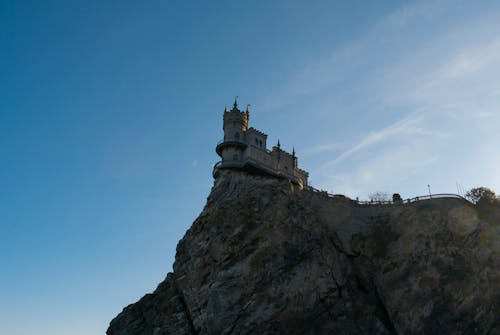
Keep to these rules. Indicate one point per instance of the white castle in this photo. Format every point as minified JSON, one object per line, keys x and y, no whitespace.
{"x":245,"y":148}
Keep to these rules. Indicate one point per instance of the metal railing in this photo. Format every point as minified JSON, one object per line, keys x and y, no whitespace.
{"x":369,"y":202}
{"x":389,"y":202}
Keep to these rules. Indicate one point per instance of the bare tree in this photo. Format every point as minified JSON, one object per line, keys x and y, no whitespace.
{"x":379,"y":196}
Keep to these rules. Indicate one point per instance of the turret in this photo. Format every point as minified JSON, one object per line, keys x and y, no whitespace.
{"x":235,"y":126}
{"x":235,"y":123}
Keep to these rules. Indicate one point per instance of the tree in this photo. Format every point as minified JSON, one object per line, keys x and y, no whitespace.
{"x":479,"y":195}
{"x":379,"y":196}
{"x":396,"y":198}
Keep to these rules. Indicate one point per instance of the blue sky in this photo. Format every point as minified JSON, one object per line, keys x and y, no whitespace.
{"x":110,"y":112}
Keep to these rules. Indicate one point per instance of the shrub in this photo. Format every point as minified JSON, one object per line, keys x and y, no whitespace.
{"x":482,"y":195}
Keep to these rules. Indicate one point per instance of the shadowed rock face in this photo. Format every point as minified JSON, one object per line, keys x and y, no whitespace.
{"x":263,"y":258}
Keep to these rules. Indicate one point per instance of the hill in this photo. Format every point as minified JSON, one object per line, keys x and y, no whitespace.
{"x":265,"y":257}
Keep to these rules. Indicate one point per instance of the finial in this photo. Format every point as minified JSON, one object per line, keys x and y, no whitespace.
{"x":235,"y":105}
{"x":279,"y":145}
{"x":248,"y":109}
{"x":293,"y":152}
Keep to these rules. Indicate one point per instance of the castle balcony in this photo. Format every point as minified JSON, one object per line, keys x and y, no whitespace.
{"x":215,"y":171}
{"x":257,"y":167}
{"x":226,"y":164}
{"x":221,"y":145}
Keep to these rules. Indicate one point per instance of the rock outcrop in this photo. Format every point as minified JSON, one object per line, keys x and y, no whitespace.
{"x":266,"y":258}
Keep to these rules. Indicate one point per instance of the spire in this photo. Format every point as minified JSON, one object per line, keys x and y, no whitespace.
{"x":293,"y":152}
{"x":279,"y":145}
{"x":248,"y":109}
{"x":235,"y":104}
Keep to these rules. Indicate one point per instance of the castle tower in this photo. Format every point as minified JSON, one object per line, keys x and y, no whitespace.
{"x":235,"y":126}
{"x":245,"y":149}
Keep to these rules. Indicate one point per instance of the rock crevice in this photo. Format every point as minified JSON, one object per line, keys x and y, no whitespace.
{"x":266,"y":258}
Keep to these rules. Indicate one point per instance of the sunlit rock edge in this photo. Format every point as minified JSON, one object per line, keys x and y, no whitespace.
{"x":264,"y":257}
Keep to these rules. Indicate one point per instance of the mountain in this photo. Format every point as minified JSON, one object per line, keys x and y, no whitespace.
{"x":265,"y":257}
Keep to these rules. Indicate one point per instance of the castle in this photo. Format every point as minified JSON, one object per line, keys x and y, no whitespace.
{"x":245,"y":148}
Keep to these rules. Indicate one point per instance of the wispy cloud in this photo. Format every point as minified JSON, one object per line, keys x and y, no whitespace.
{"x":395,"y":153}
{"x":435,"y":90}
{"x":338,"y":66}
{"x":408,"y":126}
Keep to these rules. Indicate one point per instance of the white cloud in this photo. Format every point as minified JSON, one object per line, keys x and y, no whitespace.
{"x":441,"y":86}
{"x":382,"y":158}
{"x":407,"y":126}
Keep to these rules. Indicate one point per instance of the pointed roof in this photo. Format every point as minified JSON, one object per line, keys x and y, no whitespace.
{"x":235,"y":104}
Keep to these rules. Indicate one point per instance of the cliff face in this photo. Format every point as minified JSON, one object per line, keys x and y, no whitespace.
{"x":265,"y":258}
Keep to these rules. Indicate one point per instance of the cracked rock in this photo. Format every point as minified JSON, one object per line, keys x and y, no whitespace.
{"x":267,"y":258}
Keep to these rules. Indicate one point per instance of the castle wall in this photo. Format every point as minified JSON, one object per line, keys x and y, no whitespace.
{"x":252,"y":149}
{"x":232,"y":154}
{"x":284,"y":161}
{"x":259,"y":155}
{"x":256,"y":138}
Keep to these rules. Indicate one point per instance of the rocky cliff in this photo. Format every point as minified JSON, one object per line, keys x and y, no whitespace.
{"x":266,"y":258}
